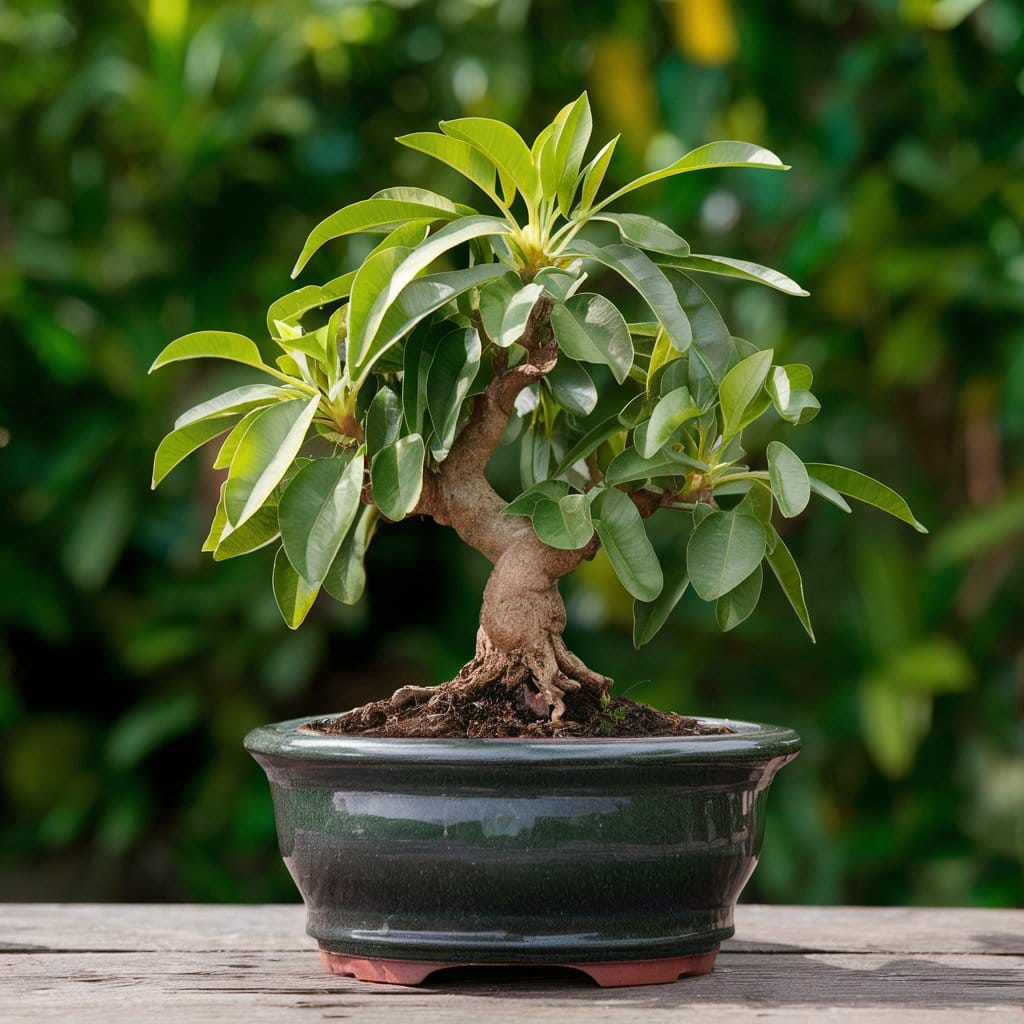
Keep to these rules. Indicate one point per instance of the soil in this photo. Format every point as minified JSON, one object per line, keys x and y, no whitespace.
{"x":444,"y":712}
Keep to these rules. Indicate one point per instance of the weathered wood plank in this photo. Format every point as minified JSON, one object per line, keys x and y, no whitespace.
{"x":101,"y":927}
{"x":259,"y":986}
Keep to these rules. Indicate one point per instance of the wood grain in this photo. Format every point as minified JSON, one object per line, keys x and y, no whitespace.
{"x":203,"y":963}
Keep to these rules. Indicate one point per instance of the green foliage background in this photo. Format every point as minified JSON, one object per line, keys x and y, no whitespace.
{"x":162,"y":163}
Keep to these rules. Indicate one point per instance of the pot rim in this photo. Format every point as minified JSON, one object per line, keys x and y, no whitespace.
{"x":750,"y":741}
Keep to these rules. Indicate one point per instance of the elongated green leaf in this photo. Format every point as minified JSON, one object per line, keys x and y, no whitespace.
{"x":714,"y":154}
{"x":865,"y":489}
{"x":289,"y":308}
{"x":503,"y":146}
{"x":790,"y":484}
{"x":516,"y":314}
{"x":572,"y":387}
{"x":455,"y":363}
{"x":180,"y":443}
{"x":591,"y":329}
{"x":622,"y":533}
{"x":671,"y":412}
{"x":737,"y":605}
{"x":646,"y":233}
{"x":724,"y":549}
{"x":649,"y":280}
{"x":725,"y":266}
{"x":740,"y":387}
{"x":650,"y":616}
{"x":417,"y":301}
{"x":830,"y":494}
{"x":231,"y":442}
{"x":564,"y":524}
{"x":235,"y":403}
{"x":786,"y":572}
{"x":593,"y":174}
{"x":264,"y":455}
{"x":574,"y":126}
{"x":316,"y":511}
{"x":346,"y":579}
{"x":415,"y":366}
{"x":630,"y":465}
{"x":374,"y":293}
{"x":293,"y":595}
{"x":525,"y":504}
{"x":257,"y":532}
{"x":383,"y":421}
{"x":397,"y":477}
{"x":373,"y":215}
{"x":589,"y":443}
{"x":211,"y":345}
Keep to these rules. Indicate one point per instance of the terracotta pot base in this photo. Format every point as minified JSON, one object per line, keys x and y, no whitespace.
{"x":610,"y":974}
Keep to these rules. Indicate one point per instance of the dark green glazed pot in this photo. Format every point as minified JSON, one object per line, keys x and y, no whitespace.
{"x":520,"y":851}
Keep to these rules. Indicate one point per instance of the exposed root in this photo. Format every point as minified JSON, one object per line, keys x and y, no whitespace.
{"x":542,"y":690}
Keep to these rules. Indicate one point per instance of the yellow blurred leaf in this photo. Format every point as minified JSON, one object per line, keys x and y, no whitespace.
{"x":623,"y":89}
{"x":705,"y":31}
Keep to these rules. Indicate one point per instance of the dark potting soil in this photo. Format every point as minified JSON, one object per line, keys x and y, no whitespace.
{"x":442,"y":713}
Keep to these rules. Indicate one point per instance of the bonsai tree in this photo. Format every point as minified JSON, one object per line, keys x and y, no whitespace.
{"x":395,"y":383}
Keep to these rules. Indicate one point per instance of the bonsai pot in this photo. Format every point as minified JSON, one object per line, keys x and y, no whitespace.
{"x":620,"y":857}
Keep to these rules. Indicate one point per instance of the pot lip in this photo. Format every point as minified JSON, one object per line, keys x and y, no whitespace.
{"x":750,"y":741}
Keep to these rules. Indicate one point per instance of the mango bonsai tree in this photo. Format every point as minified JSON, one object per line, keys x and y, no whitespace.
{"x":395,"y":383}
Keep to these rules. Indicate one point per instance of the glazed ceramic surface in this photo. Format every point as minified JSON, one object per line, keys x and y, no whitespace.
{"x":520,"y":851}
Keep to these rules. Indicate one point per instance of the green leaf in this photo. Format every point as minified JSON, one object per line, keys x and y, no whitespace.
{"x":714,"y":154}
{"x":724,"y":549}
{"x":458,"y":155}
{"x":383,"y":421}
{"x":494,"y":300}
{"x":452,"y":370}
{"x":739,"y":387}
{"x":736,"y":606}
{"x":711,"y":336}
{"x":593,"y":174}
{"x":865,"y":489}
{"x":418,"y":300}
{"x":790,"y":485}
{"x":575,"y":123}
{"x":802,"y":407}
{"x":671,"y":412}
{"x":788,"y":575}
{"x":231,"y":442}
{"x":588,"y":443}
{"x":646,"y":233}
{"x":725,"y":266}
{"x":397,"y":477}
{"x":503,"y":146}
{"x":257,"y":532}
{"x":649,"y":280}
{"x":346,"y":579}
{"x":293,"y":595}
{"x":263,"y":456}
{"x":622,"y":533}
{"x":316,"y":510}
{"x":289,"y":308}
{"x":572,"y":387}
{"x":415,"y":366}
{"x":211,"y":345}
{"x":235,"y":403}
{"x":564,"y":524}
{"x":516,"y":314}
{"x":630,"y":465}
{"x":830,"y":494}
{"x":525,"y":504}
{"x":591,"y":329}
{"x":377,"y":287}
{"x":375,"y":215}
{"x":650,"y":616}
{"x":180,"y":443}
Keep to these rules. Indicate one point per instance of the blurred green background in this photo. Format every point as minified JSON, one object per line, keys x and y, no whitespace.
{"x":162,"y":163}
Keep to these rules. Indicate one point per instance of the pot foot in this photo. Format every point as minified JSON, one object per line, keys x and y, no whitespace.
{"x":609,"y":974}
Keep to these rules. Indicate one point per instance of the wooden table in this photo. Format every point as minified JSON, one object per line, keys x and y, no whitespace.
{"x":114,"y":963}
